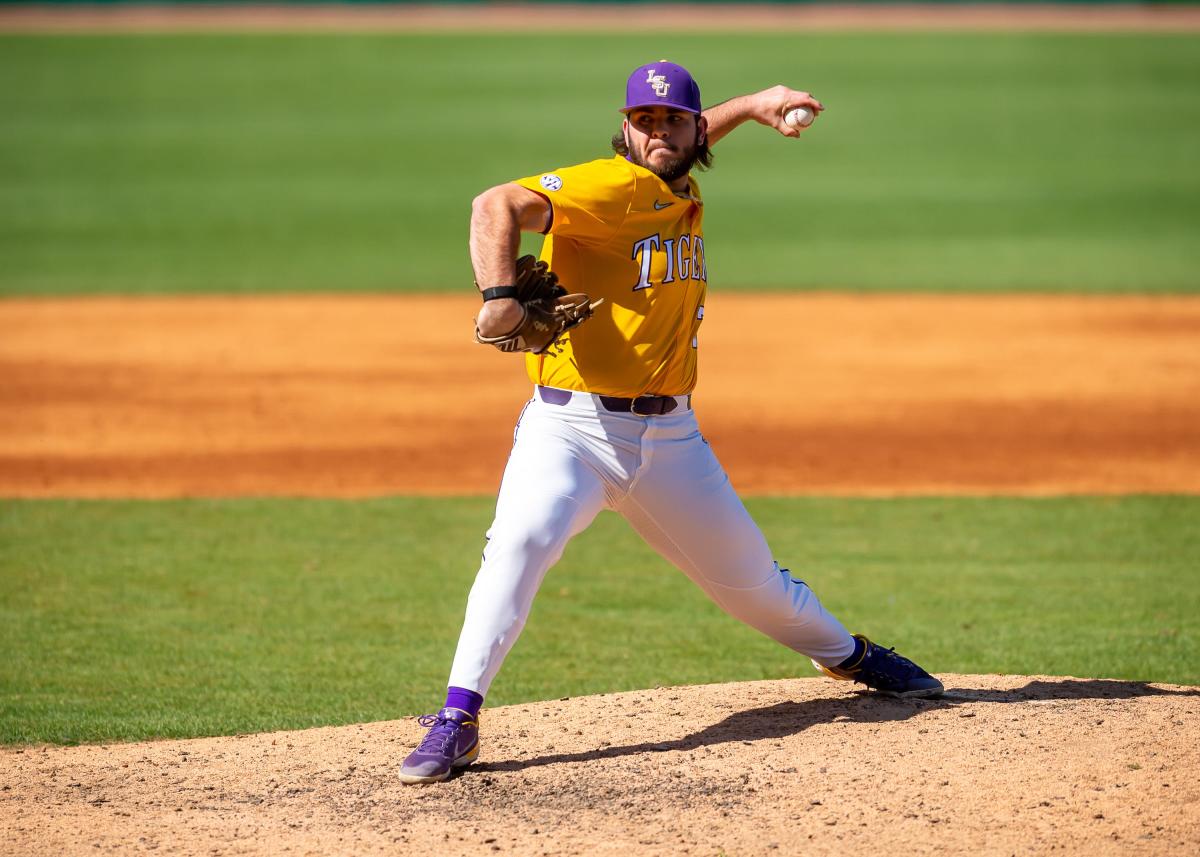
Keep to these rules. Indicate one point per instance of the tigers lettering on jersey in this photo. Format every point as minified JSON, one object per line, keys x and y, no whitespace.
{"x":684,"y":256}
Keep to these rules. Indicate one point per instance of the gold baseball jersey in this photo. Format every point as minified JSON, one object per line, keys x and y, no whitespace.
{"x":618,"y":232}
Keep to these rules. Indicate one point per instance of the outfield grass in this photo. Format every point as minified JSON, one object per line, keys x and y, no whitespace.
{"x":125,"y":620}
{"x":235,"y":163}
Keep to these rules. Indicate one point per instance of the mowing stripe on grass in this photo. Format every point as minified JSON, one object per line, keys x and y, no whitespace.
{"x":249,"y":163}
{"x":126,"y":620}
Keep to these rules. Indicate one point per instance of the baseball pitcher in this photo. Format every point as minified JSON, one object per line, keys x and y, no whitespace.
{"x":610,"y":422}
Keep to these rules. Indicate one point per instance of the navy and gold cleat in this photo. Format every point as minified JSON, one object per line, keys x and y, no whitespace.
{"x":886,"y":672}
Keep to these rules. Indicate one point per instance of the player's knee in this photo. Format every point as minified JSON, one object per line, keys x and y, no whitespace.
{"x":779,"y":600}
{"x":525,"y":546}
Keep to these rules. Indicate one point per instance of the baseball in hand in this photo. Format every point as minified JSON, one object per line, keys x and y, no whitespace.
{"x":800,"y":117}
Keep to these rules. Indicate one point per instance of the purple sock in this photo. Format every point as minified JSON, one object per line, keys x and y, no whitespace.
{"x":855,"y":655}
{"x":464,"y":700}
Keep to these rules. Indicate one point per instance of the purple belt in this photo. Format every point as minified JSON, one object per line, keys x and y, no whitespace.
{"x":642,"y":406}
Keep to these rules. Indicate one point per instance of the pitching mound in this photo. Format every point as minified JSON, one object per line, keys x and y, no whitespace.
{"x":1004,"y":764}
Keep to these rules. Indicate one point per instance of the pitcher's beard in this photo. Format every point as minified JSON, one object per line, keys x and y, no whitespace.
{"x":673,"y":168}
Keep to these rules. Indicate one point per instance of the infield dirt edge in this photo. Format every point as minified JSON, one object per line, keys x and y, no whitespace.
{"x":620,"y":18}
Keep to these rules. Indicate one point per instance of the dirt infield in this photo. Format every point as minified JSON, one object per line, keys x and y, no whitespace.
{"x":1005,"y":765}
{"x":344,"y":396}
{"x":542,"y":17}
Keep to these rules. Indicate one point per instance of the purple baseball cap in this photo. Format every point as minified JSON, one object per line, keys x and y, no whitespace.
{"x":662,"y":83}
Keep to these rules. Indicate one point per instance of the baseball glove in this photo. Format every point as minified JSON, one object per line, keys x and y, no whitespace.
{"x":548,"y":311}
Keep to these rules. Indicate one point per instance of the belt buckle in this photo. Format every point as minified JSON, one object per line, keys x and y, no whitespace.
{"x":633,"y":407}
{"x":662,"y":404}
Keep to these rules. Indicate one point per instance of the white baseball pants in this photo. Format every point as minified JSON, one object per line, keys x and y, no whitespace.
{"x":571,"y":460}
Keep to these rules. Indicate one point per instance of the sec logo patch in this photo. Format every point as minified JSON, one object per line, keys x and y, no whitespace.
{"x":551,"y":182}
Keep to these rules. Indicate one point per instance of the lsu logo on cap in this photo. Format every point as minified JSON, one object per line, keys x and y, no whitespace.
{"x":550,"y":181}
{"x":658,"y":83}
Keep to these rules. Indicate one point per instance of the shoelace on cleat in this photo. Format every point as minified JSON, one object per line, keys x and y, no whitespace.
{"x":441,"y":733}
{"x":901,"y":668}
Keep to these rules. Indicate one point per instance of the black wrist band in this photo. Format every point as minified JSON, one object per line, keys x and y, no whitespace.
{"x":497,"y":292}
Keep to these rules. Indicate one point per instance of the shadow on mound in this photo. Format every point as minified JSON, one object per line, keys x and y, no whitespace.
{"x":1067,"y":688}
{"x":791,"y":718}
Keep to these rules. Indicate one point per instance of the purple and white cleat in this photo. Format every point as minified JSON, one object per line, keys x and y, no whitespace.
{"x":451,"y":742}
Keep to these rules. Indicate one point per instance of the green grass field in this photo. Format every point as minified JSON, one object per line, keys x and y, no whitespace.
{"x":235,"y":163}
{"x":123,"y":620}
